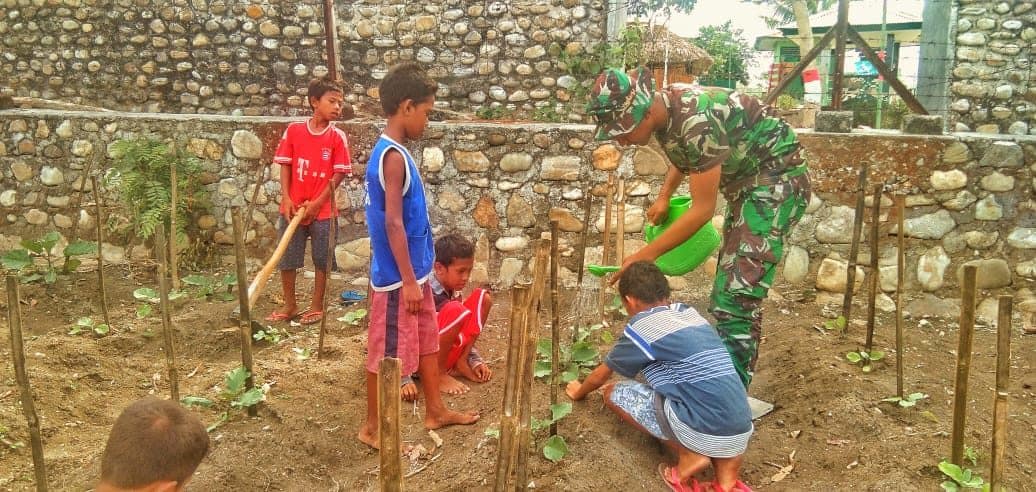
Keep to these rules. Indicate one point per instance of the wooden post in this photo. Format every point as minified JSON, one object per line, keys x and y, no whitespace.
{"x":606,"y":241}
{"x":508,"y":420}
{"x":840,"y":33}
{"x":100,"y":258}
{"x":525,"y":398}
{"x":872,"y":294}
{"x":332,"y":238}
{"x":1003,"y":371}
{"x":960,"y":388}
{"x":79,"y":197}
{"x":329,"y":39}
{"x":174,"y":267}
{"x":167,"y":321}
{"x":22,"y":378}
{"x":555,"y":323}
{"x":620,"y":224}
{"x":582,"y":255}
{"x":390,"y":472}
{"x":245,"y":321}
{"x":900,"y":275}
{"x":854,"y":247}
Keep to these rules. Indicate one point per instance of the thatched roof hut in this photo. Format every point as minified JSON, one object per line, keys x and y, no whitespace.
{"x":681,"y":52}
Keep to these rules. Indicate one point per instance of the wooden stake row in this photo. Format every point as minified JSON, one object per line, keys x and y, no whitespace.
{"x":245,"y":319}
{"x":167,"y":322}
{"x":22,"y":378}
{"x":854,"y":248}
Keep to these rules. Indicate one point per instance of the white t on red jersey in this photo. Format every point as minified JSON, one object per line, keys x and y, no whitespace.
{"x":314,"y":158}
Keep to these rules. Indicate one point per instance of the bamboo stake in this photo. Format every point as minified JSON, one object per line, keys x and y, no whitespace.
{"x":79,"y":197}
{"x":873,"y":292}
{"x":900,"y":274}
{"x":582,"y":254}
{"x":620,"y":224}
{"x":854,"y":248}
{"x":100,"y":258}
{"x":390,"y":471}
{"x":22,"y":378}
{"x":167,"y":322}
{"x":174,"y":267}
{"x":245,"y":319}
{"x":1003,"y":372}
{"x":332,"y":237}
{"x":555,"y":323}
{"x":508,"y":420}
{"x":960,"y":388}
{"x":606,"y":240}
{"x":525,"y":400}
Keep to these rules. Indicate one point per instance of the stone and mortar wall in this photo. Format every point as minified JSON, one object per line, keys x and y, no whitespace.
{"x":993,"y":86}
{"x":256,"y":57}
{"x":970,"y":197}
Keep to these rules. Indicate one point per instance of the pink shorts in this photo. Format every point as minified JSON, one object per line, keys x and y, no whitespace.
{"x":394,"y":332}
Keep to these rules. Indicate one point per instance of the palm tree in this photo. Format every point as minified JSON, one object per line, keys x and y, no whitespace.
{"x":785,"y":11}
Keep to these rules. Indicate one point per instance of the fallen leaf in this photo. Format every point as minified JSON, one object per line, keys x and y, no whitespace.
{"x":838,"y":442}
{"x":783,"y":473}
{"x":795,"y":434}
{"x":852,"y":465}
{"x":416,"y":452}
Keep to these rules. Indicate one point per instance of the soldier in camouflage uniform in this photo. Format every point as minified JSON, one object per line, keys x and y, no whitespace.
{"x":725,"y":142}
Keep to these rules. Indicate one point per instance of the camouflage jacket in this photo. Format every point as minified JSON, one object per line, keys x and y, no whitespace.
{"x":710,"y":126}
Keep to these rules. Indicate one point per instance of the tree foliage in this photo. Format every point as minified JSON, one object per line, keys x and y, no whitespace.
{"x":142,"y":175}
{"x":783,"y":11}
{"x":642,"y":8}
{"x":731,"y":52}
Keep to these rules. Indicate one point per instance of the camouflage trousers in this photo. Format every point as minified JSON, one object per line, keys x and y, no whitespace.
{"x":756,"y":224}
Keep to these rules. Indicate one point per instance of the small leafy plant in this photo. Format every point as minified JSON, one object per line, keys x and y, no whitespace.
{"x":555,"y":448}
{"x":302,"y":353}
{"x":233,"y":392}
{"x":87,"y":324}
{"x":960,"y":478}
{"x":216,"y":287}
{"x":907,"y":401}
{"x":149,"y":297}
{"x":353,"y":317}
{"x":22,"y":260}
{"x":575,"y":360}
{"x":837,"y":324}
{"x":269,"y":334}
{"x":865,"y":357}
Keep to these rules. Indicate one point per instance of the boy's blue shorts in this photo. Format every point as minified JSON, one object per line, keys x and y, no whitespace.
{"x":295,"y":256}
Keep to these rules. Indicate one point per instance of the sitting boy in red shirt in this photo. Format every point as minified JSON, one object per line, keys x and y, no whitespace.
{"x":460,"y":321}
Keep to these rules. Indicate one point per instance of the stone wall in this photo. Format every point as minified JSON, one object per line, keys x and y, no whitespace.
{"x":970,"y":197}
{"x":993,"y":86}
{"x":255,"y":58}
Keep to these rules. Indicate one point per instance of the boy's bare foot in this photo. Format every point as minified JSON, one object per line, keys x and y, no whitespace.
{"x":449,"y":385}
{"x":463,"y":370}
{"x":369,"y":436}
{"x":483,"y":373}
{"x":408,"y":390}
{"x":449,"y":417}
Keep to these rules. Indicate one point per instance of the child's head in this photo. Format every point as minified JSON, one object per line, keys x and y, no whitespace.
{"x":408,"y":94}
{"x":454,"y":259}
{"x":154,"y":444}
{"x":642,"y":286}
{"x":325,"y":97}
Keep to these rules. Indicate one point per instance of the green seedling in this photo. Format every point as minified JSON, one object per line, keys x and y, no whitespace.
{"x":493,"y":431}
{"x":971,"y":455}
{"x":233,"y":392}
{"x":837,"y":324}
{"x":865,"y":357}
{"x":960,"y":478}
{"x":576,"y":359}
{"x":302,"y":353}
{"x":149,"y":297}
{"x":196,"y":401}
{"x":218,"y":288}
{"x":23,"y":261}
{"x":269,"y":334}
{"x":907,"y":401}
{"x":87,"y":324}
{"x":353,"y":317}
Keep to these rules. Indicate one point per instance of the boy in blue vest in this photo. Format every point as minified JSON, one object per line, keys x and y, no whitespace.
{"x":693,"y":401}
{"x":402,"y":319}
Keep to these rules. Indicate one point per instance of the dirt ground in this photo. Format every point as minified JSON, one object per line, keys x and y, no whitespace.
{"x":829,"y":421}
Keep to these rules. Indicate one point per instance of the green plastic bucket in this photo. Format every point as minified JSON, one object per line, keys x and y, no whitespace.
{"x":694,"y":251}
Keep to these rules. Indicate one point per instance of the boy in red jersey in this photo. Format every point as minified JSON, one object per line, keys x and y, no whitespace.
{"x":312,"y":155}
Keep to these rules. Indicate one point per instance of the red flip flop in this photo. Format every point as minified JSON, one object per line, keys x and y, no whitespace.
{"x":311,"y":317}
{"x":279,"y":316}
{"x":672,"y":478}
{"x":739,"y":486}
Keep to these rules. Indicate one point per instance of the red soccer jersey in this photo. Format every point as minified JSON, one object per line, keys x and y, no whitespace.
{"x":314,"y":158}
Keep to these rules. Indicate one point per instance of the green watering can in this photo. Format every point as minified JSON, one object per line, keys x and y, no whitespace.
{"x":683,"y":258}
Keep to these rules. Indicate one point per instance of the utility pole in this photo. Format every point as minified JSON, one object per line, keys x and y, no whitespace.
{"x":937,"y":55}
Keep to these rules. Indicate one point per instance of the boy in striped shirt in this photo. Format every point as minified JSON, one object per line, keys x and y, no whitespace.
{"x":694,"y":401}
